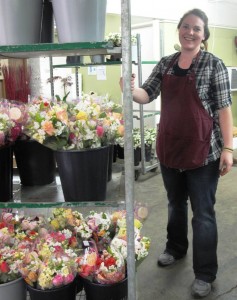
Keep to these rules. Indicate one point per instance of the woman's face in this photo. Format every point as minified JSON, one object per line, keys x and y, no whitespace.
{"x":191,"y":33}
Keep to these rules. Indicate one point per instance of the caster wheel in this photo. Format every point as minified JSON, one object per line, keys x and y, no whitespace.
{"x":153,"y":170}
{"x":137,"y":174}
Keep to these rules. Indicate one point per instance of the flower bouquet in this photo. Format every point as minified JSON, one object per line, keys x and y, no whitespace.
{"x":47,"y":122}
{"x":12,"y":118}
{"x":111,"y":266}
{"x":11,"y":249}
{"x":12,"y":285}
{"x":149,"y":140}
{"x":104,"y":267}
{"x":50,"y":263}
{"x":88,"y":122}
{"x":73,"y":220}
{"x":101,"y":227}
{"x":142,"y":243}
{"x":50,"y":273}
{"x":115,"y":39}
{"x":10,"y":260}
{"x":80,"y":132}
{"x":47,"y":253}
{"x":149,"y":135}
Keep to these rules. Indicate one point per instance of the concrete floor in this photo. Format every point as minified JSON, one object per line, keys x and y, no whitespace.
{"x":172,"y":283}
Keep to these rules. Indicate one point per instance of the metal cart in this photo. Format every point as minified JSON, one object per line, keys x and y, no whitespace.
{"x":143,"y":167}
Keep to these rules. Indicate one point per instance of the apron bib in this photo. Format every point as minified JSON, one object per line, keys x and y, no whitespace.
{"x":183,"y":139}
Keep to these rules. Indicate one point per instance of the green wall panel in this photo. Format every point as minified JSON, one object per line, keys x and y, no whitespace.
{"x":109,"y":86}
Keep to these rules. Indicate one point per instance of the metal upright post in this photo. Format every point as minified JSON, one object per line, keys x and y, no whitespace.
{"x":77,"y":82}
{"x":142,"y":128}
{"x":128,"y":146}
{"x":51,"y":76}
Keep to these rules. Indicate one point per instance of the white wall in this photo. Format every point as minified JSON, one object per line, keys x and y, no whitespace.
{"x":220,"y":12}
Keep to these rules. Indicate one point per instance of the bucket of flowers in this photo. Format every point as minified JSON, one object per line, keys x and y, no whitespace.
{"x":115,"y":38}
{"x":149,"y":140}
{"x":60,"y":255}
{"x":102,"y":266}
{"x":79,"y":132}
{"x":136,"y":146}
{"x":12,"y":285}
{"x":49,"y":267}
{"x":12,"y":118}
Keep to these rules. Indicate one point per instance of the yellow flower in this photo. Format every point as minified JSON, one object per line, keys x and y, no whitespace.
{"x":55,"y":224}
{"x":137,"y":224}
{"x":81,"y":116}
{"x":65,"y":271}
{"x":122,"y":233}
{"x":45,"y":251}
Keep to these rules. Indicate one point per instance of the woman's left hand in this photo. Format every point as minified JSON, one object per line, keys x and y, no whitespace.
{"x":226,"y":162}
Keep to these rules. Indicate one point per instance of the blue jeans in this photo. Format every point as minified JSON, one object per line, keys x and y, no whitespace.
{"x":199,"y":185}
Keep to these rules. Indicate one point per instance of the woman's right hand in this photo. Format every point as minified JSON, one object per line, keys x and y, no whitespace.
{"x":139,"y":94}
{"x":132,"y":82}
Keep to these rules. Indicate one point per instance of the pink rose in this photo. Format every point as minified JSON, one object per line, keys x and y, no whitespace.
{"x":4,"y":268}
{"x":69,"y":278}
{"x":58,"y":280}
{"x":100,"y":131}
{"x":7,"y":217}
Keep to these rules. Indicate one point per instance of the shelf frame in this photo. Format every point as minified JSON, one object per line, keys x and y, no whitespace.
{"x":29,"y":205}
{"x":57,"y":49}
{"x":90,"y":49}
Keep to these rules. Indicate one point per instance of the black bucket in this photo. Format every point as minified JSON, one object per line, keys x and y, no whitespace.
{"x":47,"y":25}
{"x":115,"y":291}
{"x":110,"y":163}
{"x":35,"y":163}
{"x":6,"y":174}
{"x":67,"y":292}
{"x":83,"y":173}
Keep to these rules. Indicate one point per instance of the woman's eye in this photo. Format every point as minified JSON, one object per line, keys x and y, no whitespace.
{"x":197,"y":29}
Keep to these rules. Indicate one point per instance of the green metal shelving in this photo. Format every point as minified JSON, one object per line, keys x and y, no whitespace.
{"x":28,"y":205}
{"x":56,"y":49}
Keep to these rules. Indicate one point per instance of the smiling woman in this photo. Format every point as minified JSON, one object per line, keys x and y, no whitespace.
{"x":194,"y":143}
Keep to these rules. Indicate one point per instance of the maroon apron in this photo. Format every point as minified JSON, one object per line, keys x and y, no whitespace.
{"x":184,"y":134}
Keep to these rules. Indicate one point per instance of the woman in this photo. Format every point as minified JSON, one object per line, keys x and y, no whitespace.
{"x":194,"y":143}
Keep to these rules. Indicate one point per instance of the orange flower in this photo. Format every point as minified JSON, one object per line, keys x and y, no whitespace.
{"x":117,"y":115}
{"x":32,"y":276}
{"x":121,"y":130}
{"x":106,"y":122}
{"x":62,"y":116}
{"x":47,"y":126}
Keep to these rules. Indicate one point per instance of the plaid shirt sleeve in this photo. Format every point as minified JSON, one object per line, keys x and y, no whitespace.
{"x":153,"y":83}
{"x":212,"y":83}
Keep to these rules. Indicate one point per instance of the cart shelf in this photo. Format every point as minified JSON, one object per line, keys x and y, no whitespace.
{"x":23,"y":205}
{"x":56,"y":49}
